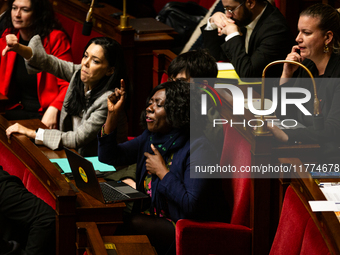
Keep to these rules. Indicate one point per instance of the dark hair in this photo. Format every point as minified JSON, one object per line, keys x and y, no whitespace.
{"x":196,"y":64}
{"x":176,"y":105}
{"x":329,"y":21}
{"x":114,"y":55}
{"x":43,"y":18}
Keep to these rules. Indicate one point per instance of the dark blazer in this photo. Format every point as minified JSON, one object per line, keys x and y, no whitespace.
{"x":187,"y":197}
{"x":328,"y":89}
{"x":270,"y":40}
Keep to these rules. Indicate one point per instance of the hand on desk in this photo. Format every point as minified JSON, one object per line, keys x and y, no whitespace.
{"x":17,"y":128}
{"x":278,"y":133}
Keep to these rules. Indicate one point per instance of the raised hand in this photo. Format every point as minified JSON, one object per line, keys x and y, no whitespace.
{"x":289,"y":69}
{"x":229,"y":28}
{"x":12,"y":44}
{"x":115,"y":103}
{"x":219,"y":19}
{"x":155,"y":164}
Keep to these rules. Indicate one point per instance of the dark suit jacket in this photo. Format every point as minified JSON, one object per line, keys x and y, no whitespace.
{"x":328,"y":89}
{"x":271,"y":40}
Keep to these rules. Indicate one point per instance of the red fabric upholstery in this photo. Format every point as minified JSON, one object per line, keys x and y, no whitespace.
{"x":164,"y":78}
{"x":197,"y":238}
{"x":297,"y":232}
{"x":236,"y":152}
{"x":14,"y":166}
{"x":78,"y":41}
{"x":201,"y":238}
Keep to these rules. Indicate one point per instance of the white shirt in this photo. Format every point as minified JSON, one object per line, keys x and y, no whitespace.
{"x":76,"y":120}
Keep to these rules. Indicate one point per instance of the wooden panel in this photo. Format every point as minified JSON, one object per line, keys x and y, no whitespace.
{"x":52,"y":180}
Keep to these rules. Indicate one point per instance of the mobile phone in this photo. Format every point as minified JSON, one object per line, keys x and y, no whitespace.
{"x":58,"y":167}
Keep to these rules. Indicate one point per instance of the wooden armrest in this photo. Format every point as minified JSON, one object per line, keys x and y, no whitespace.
{"x":89,"y":239}
{"x":161,"y":62}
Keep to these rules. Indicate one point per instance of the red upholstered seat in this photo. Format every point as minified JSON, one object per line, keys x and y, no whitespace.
{"x":297,"y":232}
{"x":164,"y":78}
{"x":14,"y":166}
{"x":193,"y":237}
{"x":78,"y":41}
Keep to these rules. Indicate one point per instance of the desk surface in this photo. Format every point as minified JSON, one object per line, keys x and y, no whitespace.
{"x":308,"y":190}
{"x":88,"y":208}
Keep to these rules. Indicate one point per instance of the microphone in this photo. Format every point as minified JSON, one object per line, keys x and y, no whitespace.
{"x":87,"y":27}
{"x":318,"y":119}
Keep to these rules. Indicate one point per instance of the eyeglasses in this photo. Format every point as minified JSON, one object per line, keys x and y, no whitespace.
{"x":231,"y":11}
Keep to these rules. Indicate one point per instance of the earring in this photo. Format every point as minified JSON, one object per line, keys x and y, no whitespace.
{"x":326,"y":48}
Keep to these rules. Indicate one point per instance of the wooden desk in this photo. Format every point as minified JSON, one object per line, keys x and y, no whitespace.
{"x":308,"y":190}
{"x":85,"y":207}
{"x":90,"y":238}
{"x":46,"y":173}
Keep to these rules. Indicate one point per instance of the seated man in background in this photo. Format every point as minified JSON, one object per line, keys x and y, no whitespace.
{"x":250,"y":34}
{"x":27,"y":223}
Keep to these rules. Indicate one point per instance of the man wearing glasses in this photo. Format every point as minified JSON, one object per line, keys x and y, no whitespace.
{"x":250,"y":34}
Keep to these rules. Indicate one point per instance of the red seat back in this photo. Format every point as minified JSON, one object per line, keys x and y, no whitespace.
{"x":236,"y":152}
{"x":78,"y":41}
{"x":14,"y":166}
{"x":297,"y":233}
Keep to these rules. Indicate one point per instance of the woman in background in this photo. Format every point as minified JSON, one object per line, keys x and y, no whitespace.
{"x":319,"y":50}
{"x":40,"y":95}
{"x":84,"y":111}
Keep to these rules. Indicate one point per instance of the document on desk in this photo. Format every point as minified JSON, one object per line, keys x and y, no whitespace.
{"x":222,"y":66}
{"x":64,"y":165}
{"x":331,"y":191}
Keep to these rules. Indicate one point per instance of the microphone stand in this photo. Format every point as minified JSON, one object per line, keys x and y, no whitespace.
{"x":124,"y":19}
{"x":87,"y":27}
{"x":318,"y":121}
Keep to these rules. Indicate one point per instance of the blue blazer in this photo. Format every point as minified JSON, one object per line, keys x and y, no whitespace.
{"x":190,"y":198}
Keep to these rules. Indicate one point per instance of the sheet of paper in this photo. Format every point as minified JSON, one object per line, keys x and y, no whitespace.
{"x":224,"y":66}
{"x":324,"y":206}
{"x":63,"y":163}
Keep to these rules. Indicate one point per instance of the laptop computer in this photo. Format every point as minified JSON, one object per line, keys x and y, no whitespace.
{"x":86,"y":180}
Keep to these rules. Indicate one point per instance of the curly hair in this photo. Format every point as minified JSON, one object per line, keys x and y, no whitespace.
{"x":176,"y":105}
{"x":43,"y":18}
{"x":329,"y":21}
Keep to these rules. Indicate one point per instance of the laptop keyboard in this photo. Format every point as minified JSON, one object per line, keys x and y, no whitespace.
{"x":111,"y":194}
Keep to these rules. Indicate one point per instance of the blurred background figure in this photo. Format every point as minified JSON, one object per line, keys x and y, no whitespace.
{"x":40,"y":95}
